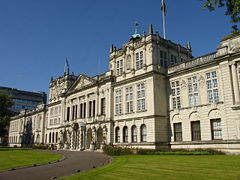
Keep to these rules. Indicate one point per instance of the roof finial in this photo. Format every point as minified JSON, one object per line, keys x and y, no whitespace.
{"x":111,"y":48}
{"x":150,"y":29}
{"x":66,"y":67}
{"x":135,"y":35}
{"x":188,"y":46}
{"x":136,"y":27}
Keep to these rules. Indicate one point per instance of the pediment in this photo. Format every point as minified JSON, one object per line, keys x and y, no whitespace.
{"x":81,"y":82}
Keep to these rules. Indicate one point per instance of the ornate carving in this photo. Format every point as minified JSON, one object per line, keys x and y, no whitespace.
{"x":128,"y":62}
{"x":201,"y":81}
{"x":183,"y":84}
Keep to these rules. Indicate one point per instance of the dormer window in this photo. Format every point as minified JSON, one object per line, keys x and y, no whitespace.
{"x":139,"y":60}
{"x":119,"y":67}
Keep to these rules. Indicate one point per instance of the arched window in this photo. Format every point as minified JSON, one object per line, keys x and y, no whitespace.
{"x":134,"y":133}
{"x":53,"y":140}
{"x":125,"y":134}
{"x":117,"y":135}
{"x":143,"y":133}
{"x":50,"y":137}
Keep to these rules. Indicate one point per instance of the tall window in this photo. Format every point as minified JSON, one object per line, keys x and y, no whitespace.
{"x":143,"y":133}
{"x":73,"y":112}
{"x":90,"y":109}
{"x":94,"y":108}
{"x":141,"y":97}
{"x":177,"y":131}
{"x":125,"y":134}
{"x":212,"y":87}
{"x":196,"y":130}
{"x":84,"y":111}
{"x":134,"y":133}
{"x":119,"y":67}
{"x":193,"y":91}
{"x":50,"y":138}
{"x":118,"y":101}
{"x":81,"y":110}
{"x":129,"y":99}
{"x":68,"y":113}
{"x":117,"y":133}
{"x":216,"y":129}
{"x":103,"y":106}
{"x":139,"y":60}
{"x":176,"y":101}
{"x":53,"y":137}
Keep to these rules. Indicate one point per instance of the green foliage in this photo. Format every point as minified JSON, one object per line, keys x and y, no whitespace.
{"x":41,"y":146}
{"x":180,"y":152}
{"x":117,"y":151}
{"x":149,"y":167}
{"x":232,"y":9}
{"x":20,"y":158}
{"x":5,"y":103}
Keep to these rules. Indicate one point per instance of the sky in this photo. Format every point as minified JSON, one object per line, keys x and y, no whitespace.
{"x":36,"y":36}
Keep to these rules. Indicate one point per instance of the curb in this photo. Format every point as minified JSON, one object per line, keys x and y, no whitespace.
{"x":36,"y":165}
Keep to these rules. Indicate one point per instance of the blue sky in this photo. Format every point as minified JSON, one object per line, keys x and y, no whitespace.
{"x":37,"y":36}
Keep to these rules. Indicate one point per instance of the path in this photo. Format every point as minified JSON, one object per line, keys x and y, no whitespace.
{"x":74,"y":161}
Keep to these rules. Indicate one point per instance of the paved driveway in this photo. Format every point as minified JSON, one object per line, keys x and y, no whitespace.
{"x":74,"y":161}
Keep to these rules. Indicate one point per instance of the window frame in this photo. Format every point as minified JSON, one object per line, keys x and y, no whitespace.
{"x":177,"y":132}
{"x":196,"y":133}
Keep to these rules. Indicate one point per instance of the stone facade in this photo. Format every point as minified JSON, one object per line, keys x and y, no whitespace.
{"x":155,"y":95}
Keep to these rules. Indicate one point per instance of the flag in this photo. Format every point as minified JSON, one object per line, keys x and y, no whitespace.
{"x":163,"y":7}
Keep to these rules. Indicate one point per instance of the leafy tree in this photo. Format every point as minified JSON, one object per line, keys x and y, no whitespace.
{"x":232,"y":9}
{"x":5,"y":103}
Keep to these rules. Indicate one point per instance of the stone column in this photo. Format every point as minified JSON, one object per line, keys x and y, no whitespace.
{"x":235,"y":84}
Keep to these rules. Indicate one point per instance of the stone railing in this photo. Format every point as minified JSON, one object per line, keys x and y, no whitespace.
{"x":193,"y":62}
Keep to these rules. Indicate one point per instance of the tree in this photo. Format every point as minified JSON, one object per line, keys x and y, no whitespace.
{"x":232,"y":9}
{"x":5,"y":104}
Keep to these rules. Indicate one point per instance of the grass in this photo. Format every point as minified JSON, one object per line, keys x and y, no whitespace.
{"x":20,"y":158}
{"x":167,"y":167}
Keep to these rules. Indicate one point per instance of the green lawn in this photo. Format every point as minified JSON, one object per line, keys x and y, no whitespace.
{"x":166,"y":167}
{"x":19,"y":158}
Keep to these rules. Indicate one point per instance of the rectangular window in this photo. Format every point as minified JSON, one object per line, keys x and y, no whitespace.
{"x":119,"y":67}
{"x":176,"y":100}
{"x":94,"y":108}
{"x":73,"y":112}
{"x":81,"y":111}
{"x":216,"y":129}
{"x":90,"y":109}
{"x":212,"y":87}
{"x":139,"y":60}
{"x":193,"y":91}
{"x":161,"y":58}
{"x":76,"y":111}
{"x":84,"y":111}
{"x":177,"y":131}
{"x":118,"y":102}
{"x":141,"y":97}
{"x":68,"y":113}
{"x":165,"y":59}
{"x":129,"y":99}
{"x":196,"y":131}
{"x":103,"y":106}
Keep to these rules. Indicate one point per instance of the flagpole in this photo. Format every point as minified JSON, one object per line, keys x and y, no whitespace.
{"x":164,"y":24}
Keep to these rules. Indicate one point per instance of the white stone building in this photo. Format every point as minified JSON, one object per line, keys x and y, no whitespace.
{"x":155,"y":95}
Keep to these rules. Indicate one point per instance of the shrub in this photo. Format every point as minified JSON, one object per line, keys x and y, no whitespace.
{"x":41,"y":146}
{"x":116,"y":151}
